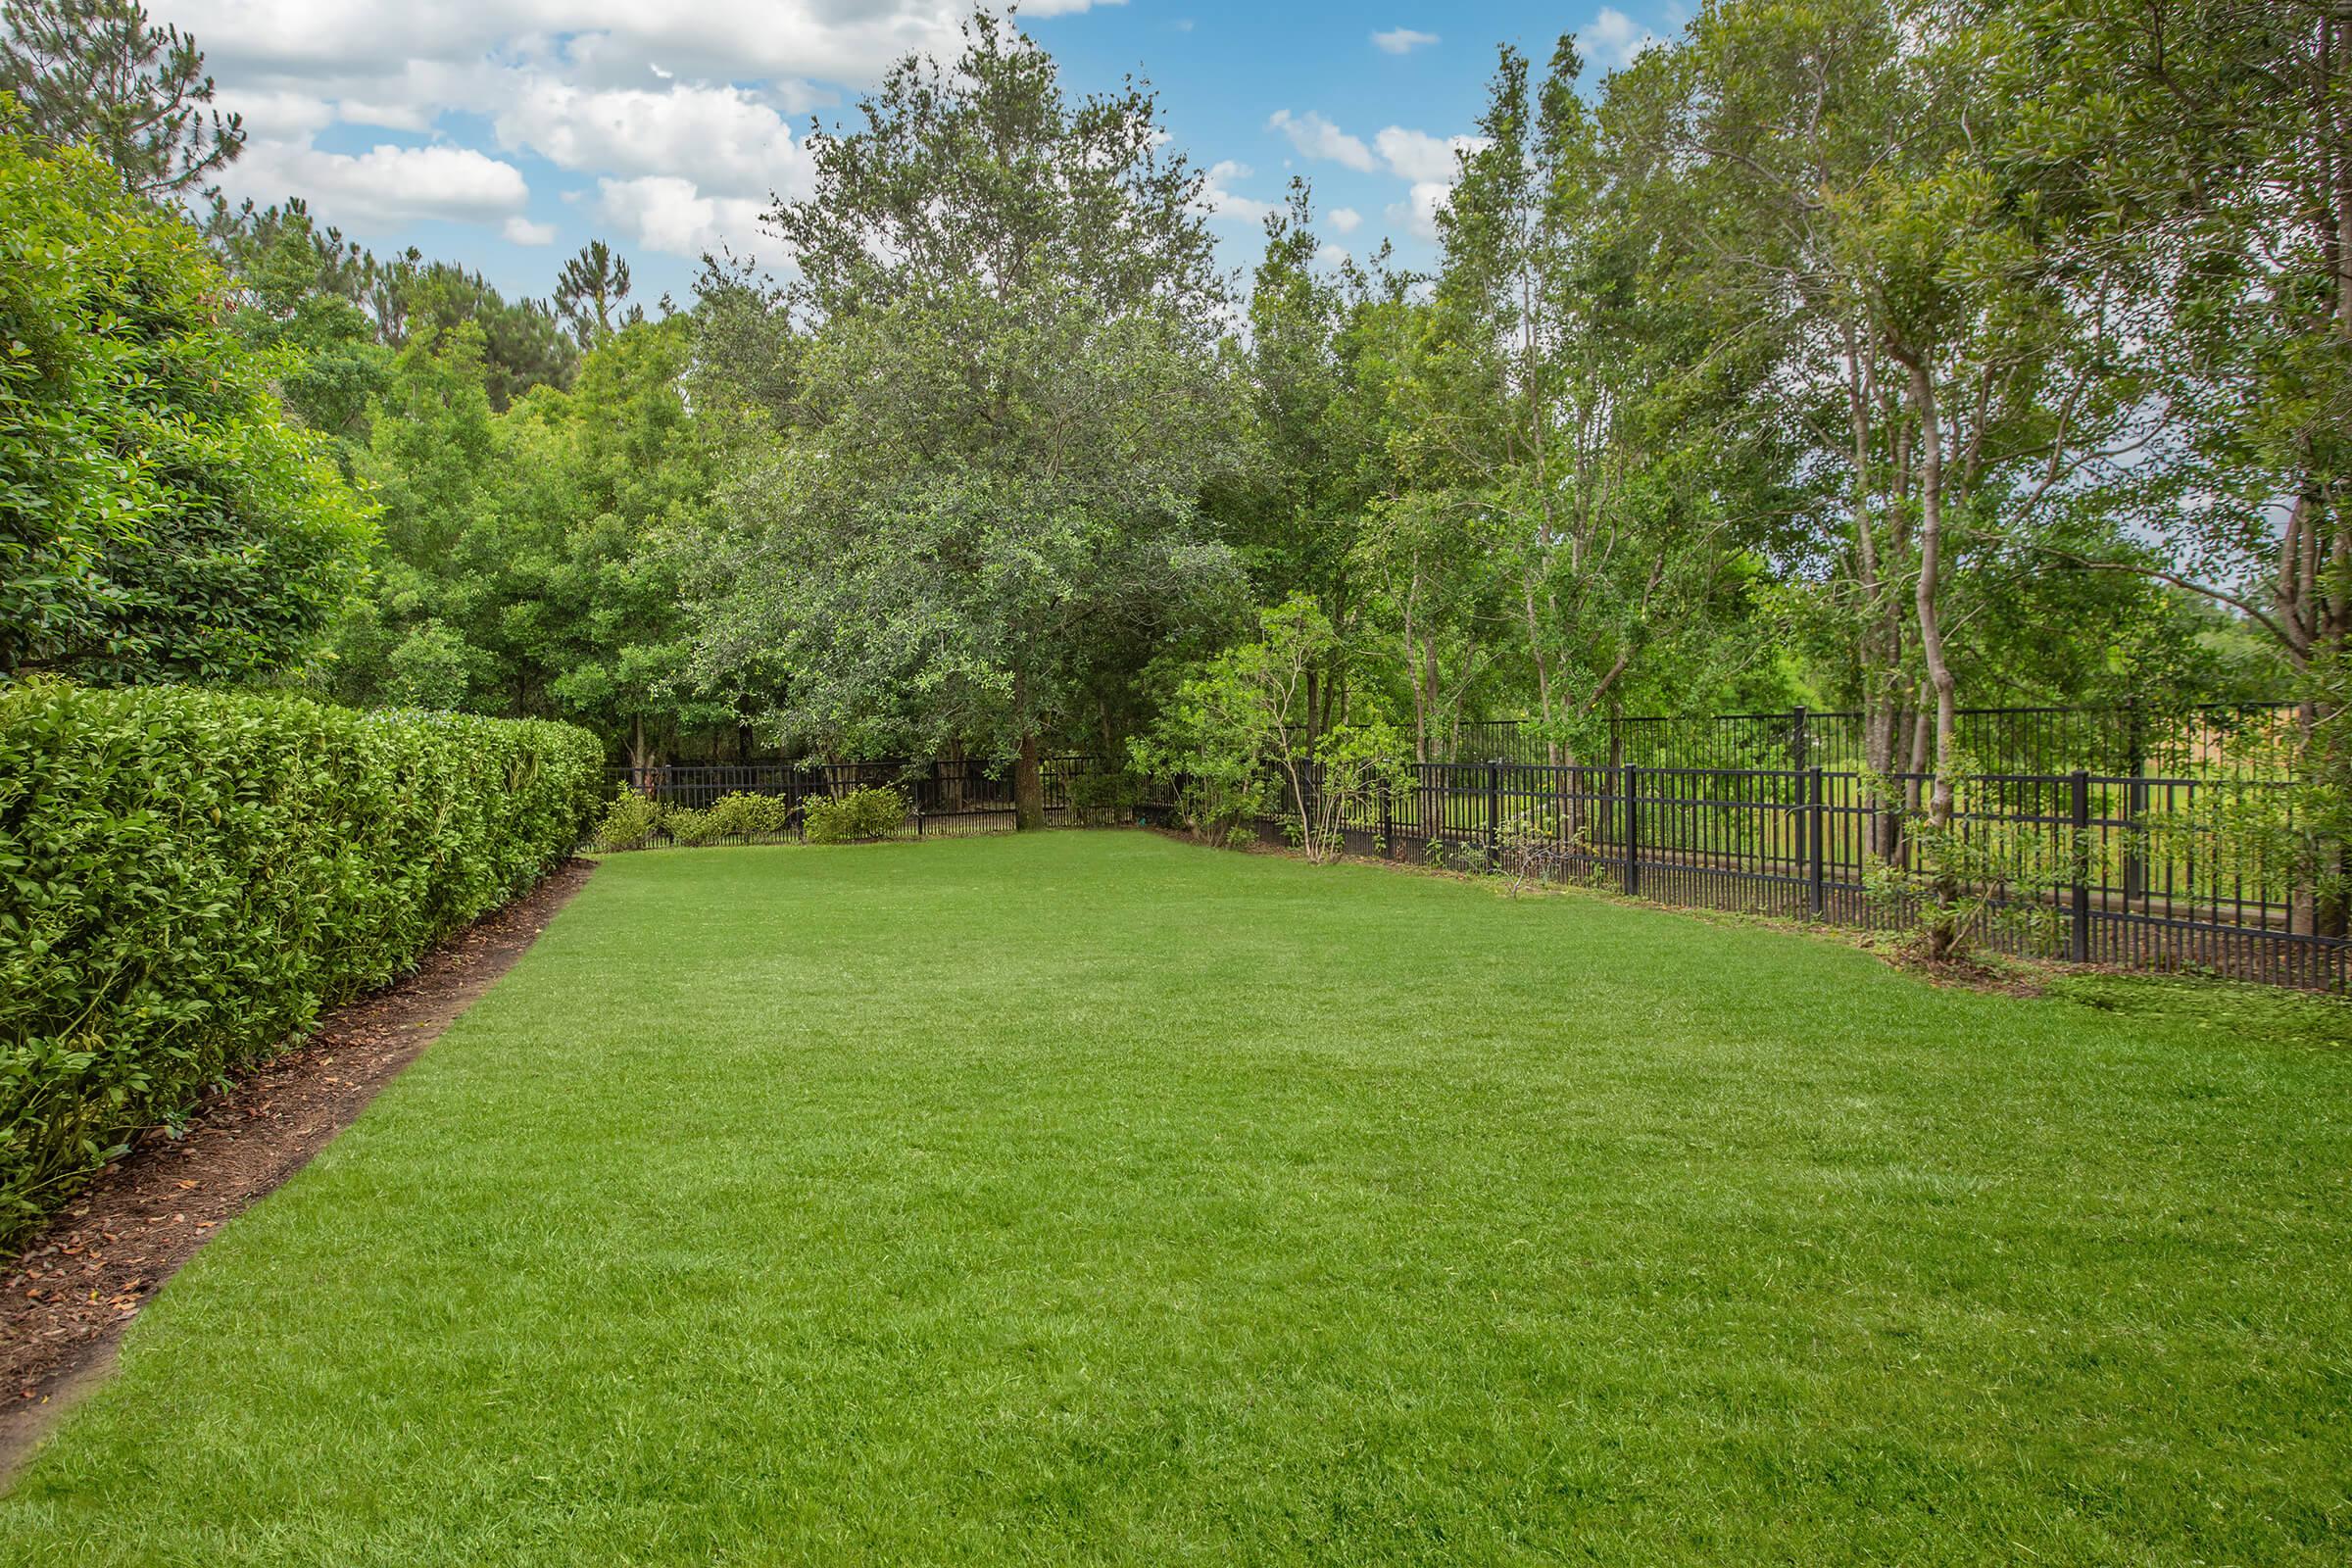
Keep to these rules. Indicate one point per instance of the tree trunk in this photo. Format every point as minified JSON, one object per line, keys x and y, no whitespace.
{"x":1944,"y":936}
{"x":1028,"y":786}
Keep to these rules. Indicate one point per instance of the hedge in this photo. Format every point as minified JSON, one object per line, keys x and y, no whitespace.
{"x":188,"y":877}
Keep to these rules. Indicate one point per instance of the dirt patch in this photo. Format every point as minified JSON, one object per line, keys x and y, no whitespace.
{"x":67,"y":1297}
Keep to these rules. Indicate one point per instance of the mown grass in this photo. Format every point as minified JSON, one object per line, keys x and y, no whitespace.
{"x":1093,"y":1197}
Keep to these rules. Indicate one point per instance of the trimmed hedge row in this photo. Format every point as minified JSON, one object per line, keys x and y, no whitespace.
{"x":188,"y":877}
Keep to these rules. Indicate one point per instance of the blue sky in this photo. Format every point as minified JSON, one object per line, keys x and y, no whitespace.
{"x":505,"y":134}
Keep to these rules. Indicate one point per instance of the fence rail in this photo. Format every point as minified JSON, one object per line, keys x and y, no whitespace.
{"x":2163,"y":873}
{"x":2128,"y":738}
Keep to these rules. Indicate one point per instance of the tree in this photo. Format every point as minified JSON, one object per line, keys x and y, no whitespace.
{"x":1318,"y":364}
{"x":96,"y":74}
{"x":982,"y":172}
{"x":985,"y":496}
{"x":530,"y":559}
{"x":159,"y":520}
{"x":2203,"y":150}
{"x":1244,"y":717}
{"x":589,"y":292}
{"x":1554,"y":400}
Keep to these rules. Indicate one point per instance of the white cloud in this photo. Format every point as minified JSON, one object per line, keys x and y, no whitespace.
{"x":1331,"y":255}
{"x":1217,"y":200}
{"x":692,"y":94}
{"x":1347,"y":219}
{"x":1318,"y":138}
{"x":719,"y":137}
{"x":521,"y":231}
{"x":666,"y":212}
{"x":1418,"y":211}
{"x":1615,"y":39}
{"x":1401,"y":40}
{"x":390,"y":186}
{"x":848,"y":41}
{"x":1418,"y":156}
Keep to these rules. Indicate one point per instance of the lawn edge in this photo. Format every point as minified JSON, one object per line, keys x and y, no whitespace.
{"x":71,"y":1293}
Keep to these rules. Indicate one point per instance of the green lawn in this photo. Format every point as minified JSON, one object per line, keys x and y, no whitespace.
{"x":1088,"y":1197}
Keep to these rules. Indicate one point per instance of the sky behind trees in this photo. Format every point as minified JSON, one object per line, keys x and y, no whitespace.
{"x":508,"y":132}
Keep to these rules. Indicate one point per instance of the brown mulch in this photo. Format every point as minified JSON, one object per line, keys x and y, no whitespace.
{"x":66,"y":1299}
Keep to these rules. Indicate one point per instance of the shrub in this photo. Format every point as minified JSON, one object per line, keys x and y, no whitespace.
{"x":687,"y":826}
{"x":873,"y":812}
{"x":628,"y":823}
{"x":743,"y":815}
{"x":1097,"y":798}
{"x":188,"y":878}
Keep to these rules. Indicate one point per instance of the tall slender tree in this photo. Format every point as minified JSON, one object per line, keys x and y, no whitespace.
{"x":590,"y":291}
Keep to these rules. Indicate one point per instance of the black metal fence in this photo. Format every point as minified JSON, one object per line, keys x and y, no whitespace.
{"x":944,"y":799}
{"x":2126,"y":739}
{"x":2161,"y":873}
{"x":2209,"y":871}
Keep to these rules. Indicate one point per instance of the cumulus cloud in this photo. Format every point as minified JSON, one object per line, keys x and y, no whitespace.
{"x":1418,"y":156}
{"x":1401,"y":40}
{"x":1218,"y":200}
{"x":1418,"y":211}
{"x":1615,"y":39}
{"x":521,"y":231}
{"x":721,"y":137}
{"x":851,"y":41}
{"x":667,"y":213}
{"x":1331,"y":255}
{"x":1317,"y":137}
{"x":613,"y":88}
{"x":389,"y":185}
{"x":1347,"y":219}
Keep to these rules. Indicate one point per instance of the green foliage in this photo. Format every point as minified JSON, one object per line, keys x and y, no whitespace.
{"x":159,"y":519}
{"x":743,"y":815}
{"x":1105,"y":797}
{"x":1239,"y":737}
{"x":689,"y":825}
{"x":628,"y":823}
{"x":980,"y":507}
{"x":872,"y":812}
{"x":589,"y":291}
{"x":531,"y":559}
{"x":1967,"y":877}
{"x":97,"y":74}
{"x":187,"y":878}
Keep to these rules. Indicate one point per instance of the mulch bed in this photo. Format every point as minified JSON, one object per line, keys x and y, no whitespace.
{"x":66,"y":1300}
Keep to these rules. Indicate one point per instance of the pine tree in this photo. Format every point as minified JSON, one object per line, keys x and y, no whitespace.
{"x":97,"y":74}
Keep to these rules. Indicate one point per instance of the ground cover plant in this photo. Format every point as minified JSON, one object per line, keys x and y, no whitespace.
{"x":1096,"y":1197}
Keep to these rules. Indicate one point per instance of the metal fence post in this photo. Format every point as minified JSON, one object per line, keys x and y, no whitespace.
{"x":1632,"y":831}
{"x":1817,"y":853}
{"x":2077,"y":946}
{"x":2135,"y":803}
{"x":1494,"y":812}
{"x":1388,"y":819}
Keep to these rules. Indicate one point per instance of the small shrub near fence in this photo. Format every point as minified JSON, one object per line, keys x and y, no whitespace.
{"x":187,"y":878}
{"x":858,"y":816}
